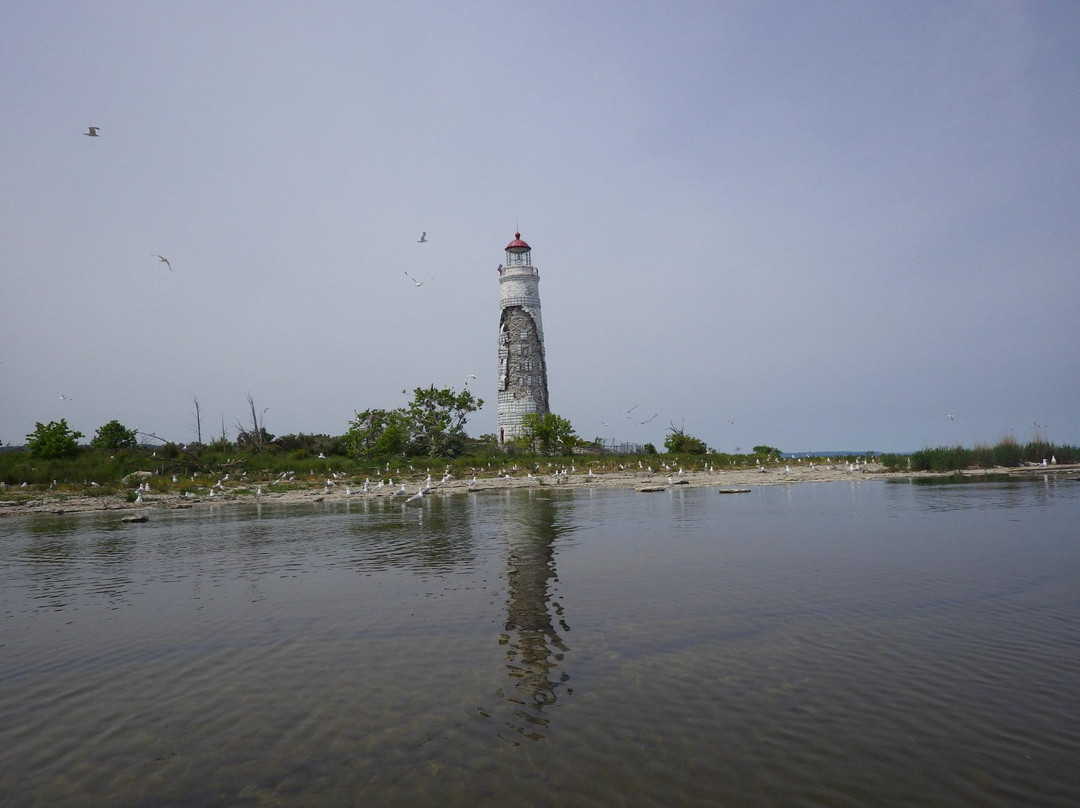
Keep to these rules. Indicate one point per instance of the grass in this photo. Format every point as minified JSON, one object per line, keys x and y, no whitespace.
{"x":1007,"y":453}
{"x":198,"y":468}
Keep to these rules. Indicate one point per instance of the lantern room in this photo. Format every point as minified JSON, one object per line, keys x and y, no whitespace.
{"x":518,"y":253}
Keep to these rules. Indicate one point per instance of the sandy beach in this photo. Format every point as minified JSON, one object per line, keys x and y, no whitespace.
{"x":311,"y":489}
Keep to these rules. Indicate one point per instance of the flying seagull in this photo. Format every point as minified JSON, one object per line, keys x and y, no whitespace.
{"x":163,"y":260}
{"x":470,"y":376}
{"x":65,"y":398}
{"x":423,"y":238}
{"x":649,"y":419}
{"x":92,"y":131}
{"x":950,"y":416}
{"x":415,"y":281}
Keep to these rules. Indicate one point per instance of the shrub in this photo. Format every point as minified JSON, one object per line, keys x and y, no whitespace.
{"x":547,"y":433}
{"x":53,"y":440}
{"x":114,"y":435}
{"x":678,"y":442}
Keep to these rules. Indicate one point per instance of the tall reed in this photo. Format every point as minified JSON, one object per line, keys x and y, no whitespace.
{"x":1007,"y":453}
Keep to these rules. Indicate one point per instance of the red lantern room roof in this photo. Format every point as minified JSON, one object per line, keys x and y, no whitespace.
{"x":517,"y":245}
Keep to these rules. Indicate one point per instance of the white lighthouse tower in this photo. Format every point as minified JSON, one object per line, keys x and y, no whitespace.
{"x":522,"y":368}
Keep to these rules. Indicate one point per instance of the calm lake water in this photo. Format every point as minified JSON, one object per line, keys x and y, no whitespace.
{"x":842,"y":644}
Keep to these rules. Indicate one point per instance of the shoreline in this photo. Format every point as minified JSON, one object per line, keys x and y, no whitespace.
{"x":316,"y":491}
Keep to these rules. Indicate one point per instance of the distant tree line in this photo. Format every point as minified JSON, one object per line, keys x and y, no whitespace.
{"x":431,"y":425}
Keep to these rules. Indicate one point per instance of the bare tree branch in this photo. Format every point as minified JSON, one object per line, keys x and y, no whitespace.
{"x":198,"y":422}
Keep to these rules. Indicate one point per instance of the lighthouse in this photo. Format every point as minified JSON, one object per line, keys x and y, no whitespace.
{"x":522,"y":367}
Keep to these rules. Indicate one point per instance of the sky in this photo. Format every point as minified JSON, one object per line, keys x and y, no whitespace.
{"x":824,"y":225}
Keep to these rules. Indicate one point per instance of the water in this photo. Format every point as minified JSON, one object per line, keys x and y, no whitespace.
{"x":847,"y":644}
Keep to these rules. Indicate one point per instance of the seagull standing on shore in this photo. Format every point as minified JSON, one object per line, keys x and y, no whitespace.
{"x":162,"y":259}
{"x":92,"y":131}
{"x":415,"y":281}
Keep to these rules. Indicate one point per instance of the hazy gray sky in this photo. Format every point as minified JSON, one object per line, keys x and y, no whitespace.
{"x":816,"y":225}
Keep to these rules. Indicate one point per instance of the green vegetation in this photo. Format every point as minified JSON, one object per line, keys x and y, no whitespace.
{"x":53,"y":440}
{"x":436,"y":421}
{"x":114,"y":435}
{"x":1008,"y":453}
{"x":678,"y":442}
{"x":433,"y":425}
{"x":377,"y":433}
{"x":407,"y":442}
{"x":547,"y":434}
{"x":312,"y":459}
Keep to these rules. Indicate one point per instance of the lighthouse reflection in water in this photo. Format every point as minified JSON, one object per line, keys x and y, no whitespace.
{"x":862,"y":643}
{"x":536,"y":654}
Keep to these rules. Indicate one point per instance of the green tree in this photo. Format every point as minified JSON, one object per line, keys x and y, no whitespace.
{"x":433,"y":425}
{"x":52,"y":440}
{"x":436,"y":421}
{"x":377,"y":433}
{"x":767,"y":451}
{"x":114,"y":435}
{"x":678,"y":442}
{"x":547,"y":433}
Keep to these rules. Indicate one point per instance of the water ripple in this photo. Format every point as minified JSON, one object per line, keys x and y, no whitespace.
{"x":814,"y":645}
